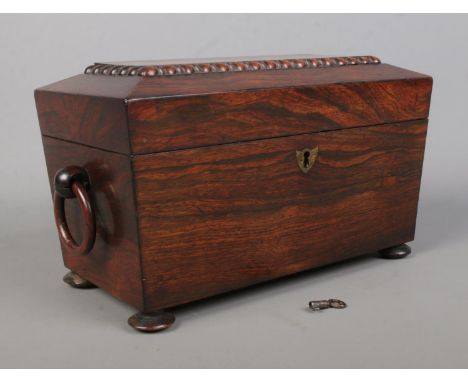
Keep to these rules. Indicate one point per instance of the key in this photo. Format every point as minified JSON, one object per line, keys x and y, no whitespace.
{"x":325,"y":304}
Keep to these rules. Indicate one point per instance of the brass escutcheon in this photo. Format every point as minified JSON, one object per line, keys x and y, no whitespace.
{"x":306,"y":158}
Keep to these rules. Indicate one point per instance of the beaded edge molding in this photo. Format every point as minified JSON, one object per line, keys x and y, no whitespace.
{"x":231,"y":66}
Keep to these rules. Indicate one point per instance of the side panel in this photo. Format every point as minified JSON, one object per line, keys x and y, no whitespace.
{"x":94,"y":118}
{"x":214,"y":219}
{"x":114,"y":263}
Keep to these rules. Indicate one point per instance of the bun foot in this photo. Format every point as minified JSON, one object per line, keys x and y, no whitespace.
{"x":397,"y":252}
{"x":151,"y":322}
{"x":76,"y":281}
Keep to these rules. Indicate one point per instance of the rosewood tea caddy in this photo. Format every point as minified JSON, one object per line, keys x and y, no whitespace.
{"x":176,"y":181}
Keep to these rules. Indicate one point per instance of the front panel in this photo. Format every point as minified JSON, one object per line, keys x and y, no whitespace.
{"x":218,"y":218}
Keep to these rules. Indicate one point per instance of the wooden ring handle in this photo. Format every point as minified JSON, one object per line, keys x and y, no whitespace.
{"x":71,"y":182}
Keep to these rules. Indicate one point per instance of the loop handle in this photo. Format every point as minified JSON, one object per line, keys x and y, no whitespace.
{"x":72,"y":182}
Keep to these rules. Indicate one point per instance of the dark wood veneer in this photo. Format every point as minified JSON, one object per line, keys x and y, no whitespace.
{"x":194,"y":121}
{"x":99,"y":122}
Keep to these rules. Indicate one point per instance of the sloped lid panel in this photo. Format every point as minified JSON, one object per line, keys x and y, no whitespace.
{"x":170,"y":105}
{"x":178,"y":106}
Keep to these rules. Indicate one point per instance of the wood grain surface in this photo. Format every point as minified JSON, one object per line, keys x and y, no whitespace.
{"x":215,"y":219}
{"x":215,"y":83}
{"x":97,"y":122}
{"x":185,"y":122}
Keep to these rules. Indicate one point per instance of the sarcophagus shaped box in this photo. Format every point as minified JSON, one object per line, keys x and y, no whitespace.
{"x":177,"y":181}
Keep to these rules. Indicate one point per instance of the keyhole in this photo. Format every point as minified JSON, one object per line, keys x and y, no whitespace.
{"x":306,"y":159}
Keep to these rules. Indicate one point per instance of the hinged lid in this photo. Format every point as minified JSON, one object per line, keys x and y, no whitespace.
{"x":146,"y":107}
